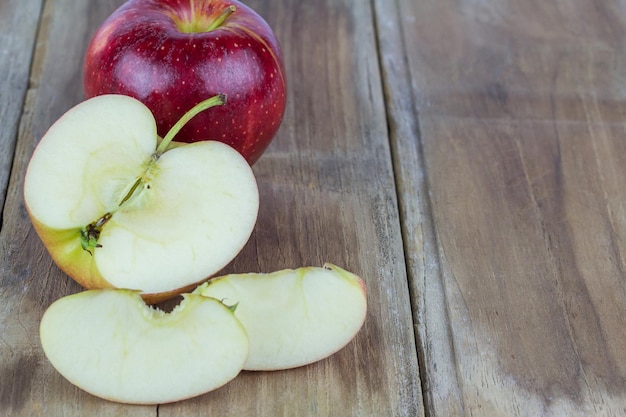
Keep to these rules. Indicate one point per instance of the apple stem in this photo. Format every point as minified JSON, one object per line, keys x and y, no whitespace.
{"x":218,"y":22}
{"x":90,"y":234}
{"x":217,"y":100}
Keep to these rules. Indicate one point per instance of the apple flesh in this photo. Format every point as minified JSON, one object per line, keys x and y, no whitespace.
{"x":293,"y":317}
{"x":116,"y":209}
{"x":171,"y":54}
{"x":112,"y":345}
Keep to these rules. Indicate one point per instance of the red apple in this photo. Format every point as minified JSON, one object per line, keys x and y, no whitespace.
{"x":173,"y":54}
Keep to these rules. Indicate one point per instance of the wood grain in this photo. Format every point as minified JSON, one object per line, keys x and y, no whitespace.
{"x":438,"y":373}
{"x":18,"y":27}
{"x":466,"y":158}
{"x":327,"y":194}
{"x":520,"y":123}
{"x":29,"y":281}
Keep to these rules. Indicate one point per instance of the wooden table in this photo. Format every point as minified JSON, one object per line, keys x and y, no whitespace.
{"x":466,"y":158}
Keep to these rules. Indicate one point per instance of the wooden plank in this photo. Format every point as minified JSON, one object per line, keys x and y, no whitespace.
{"x":29,"y":281}
{"x":521,"y":122}
{"x":440,"y":386}
{"x":18,"y":28}
{"x":327,"y":194}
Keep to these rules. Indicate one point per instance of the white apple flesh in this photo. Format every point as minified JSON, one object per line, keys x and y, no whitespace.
{"x":114,"y":210}
{"x":112,"y":345}
{"x":293,"y":317}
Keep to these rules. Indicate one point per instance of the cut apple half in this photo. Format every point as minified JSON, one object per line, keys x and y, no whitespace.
{"x":111,"y":344}
{"x":293,"y":317}
{"x":116,"y":208}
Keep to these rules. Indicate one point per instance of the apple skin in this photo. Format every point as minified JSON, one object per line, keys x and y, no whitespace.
{"x":159,"y":52}
{"x":79,"y":265}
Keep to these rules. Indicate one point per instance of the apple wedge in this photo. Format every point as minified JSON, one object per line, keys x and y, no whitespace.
{"x":117,"y":208}
{"x":293,"y":317}
{"x":111,"y":344}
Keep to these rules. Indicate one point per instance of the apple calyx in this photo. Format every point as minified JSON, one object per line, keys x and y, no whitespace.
{"x":90,"y":234}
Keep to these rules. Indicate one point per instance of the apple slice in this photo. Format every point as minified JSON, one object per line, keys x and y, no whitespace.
{"x":115,"y":208}
{"x":111,"y":344}
{"x":293,"y":317}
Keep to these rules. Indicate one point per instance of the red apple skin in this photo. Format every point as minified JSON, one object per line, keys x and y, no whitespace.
{"x":141,"y":51}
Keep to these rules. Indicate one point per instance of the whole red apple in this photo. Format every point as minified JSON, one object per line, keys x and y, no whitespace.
{"x":173,"y":54}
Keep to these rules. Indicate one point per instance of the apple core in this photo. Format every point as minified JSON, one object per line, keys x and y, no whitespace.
{"x":115,"y":206}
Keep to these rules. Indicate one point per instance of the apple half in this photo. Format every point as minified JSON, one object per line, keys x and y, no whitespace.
{"x":293,"y":317}
{"x":117,"y":207}
{"x":111,"y":344}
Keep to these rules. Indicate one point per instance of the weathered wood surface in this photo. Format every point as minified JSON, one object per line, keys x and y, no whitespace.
{"x":18,"y":28}
{"x":515,"y":225}
{"x":466,"y":158}
{"x":327,"y":194}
